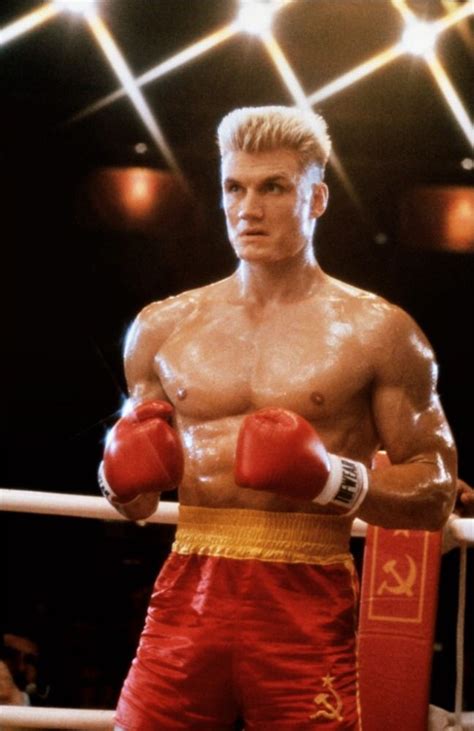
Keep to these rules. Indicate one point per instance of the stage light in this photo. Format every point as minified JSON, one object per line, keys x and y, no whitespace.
{"x":419,"y":38}
{"x":438,"y":217}
{"x":27,"y":23}
{"x":256,"y":16}
{"x":134,"y":199}
{"x":285,"y":70}
{"x":356,"y":74}
{"x":75,"y":6}
{"x":121,"y":69}
{"x":381,"y":238}
{"x":467,"y":163}
{"x":139,"y":194}
{"x":451,"y":97}
{"x":165,"y":67}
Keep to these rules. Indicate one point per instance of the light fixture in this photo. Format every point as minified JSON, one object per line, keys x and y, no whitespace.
{"x":119,"y":65}
{"x":82,"y":7}
{"x":256,"y":16}
{"x":419,"y":38}
{"x":381,"y":238}
{"x":27,"y":23}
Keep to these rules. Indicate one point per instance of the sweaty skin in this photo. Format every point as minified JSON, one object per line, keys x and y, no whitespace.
{"x":280,"y":332}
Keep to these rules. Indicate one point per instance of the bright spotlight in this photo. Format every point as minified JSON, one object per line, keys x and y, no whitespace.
{"x":256,"y":16}
{"x":26,"y":23}
{"x":419,"y":38}
{"x":75,"y":6}
{"x":141,"y":148}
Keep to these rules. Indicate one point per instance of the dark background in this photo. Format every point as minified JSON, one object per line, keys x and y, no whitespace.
{"x":73,"y":282}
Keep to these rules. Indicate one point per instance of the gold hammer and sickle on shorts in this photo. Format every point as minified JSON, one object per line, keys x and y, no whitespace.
{"x":329,"y":710}
{"x":402,"y":585}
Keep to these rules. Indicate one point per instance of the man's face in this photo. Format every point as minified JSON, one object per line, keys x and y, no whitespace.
{"x":270,"y":205}
{"x":21,"y":656}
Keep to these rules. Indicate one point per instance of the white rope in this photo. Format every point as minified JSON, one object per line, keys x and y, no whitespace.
{"x":462,"y":529}
{"x":460,"y":638}
{"x":78,"y":718}
{"x":89,"y":506}
{"x":68,"y":718}
{"x":78,"y":506}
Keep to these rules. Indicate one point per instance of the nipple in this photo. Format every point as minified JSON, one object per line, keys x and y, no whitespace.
{"x":181,"y":394}
{"x":317,"y":398}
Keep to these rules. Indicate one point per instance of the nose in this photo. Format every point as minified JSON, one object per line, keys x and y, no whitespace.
{"x":250,"y":207}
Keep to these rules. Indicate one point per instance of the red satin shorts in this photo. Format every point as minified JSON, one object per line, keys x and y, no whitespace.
{"x":227,"y":636}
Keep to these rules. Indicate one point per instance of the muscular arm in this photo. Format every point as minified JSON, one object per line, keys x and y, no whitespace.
{"x":418,"y":490}
{"x":146,"y":335}
{"x":144,"y":339}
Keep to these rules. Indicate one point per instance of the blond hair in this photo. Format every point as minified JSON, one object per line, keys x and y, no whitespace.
{"x":263,"y":129}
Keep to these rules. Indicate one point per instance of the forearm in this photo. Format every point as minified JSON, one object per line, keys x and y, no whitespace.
{"x":417,"y":496}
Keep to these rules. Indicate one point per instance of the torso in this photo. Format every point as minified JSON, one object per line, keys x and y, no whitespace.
{"x":224,"y":359}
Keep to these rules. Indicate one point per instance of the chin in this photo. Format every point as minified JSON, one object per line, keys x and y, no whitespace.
{"x":256,"y":256}
{"x":264,"y":256}
{"x":252,"y":252}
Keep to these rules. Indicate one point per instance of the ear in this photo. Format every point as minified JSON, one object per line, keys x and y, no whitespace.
{"x":319,"y":200}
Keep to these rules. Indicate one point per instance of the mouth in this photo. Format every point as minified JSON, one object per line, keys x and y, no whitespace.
{"x":252,"y":232}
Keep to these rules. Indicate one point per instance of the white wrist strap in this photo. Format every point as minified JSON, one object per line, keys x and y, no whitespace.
{"x":346,"y":486}
{"x":105,"y":488}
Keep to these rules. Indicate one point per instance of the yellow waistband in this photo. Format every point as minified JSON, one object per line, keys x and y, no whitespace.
{"x":267,"y":536}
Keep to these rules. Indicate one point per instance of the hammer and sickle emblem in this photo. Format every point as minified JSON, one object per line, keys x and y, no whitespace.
{"x":401,"y":585}
{"x":331,"y":710}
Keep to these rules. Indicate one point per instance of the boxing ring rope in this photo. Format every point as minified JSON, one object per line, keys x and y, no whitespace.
{"x":52,"y":718}
{"x":77,"y":506}
{"x":461,"y":530}
{"x":458,"y":531}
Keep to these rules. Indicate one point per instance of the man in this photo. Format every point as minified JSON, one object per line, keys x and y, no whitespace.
{"x":254,"y":612}
{"x":21,"y":676}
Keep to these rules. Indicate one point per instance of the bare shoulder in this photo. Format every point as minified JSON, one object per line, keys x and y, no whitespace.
{"x":388,"y":332}
{"x":159,"y":319}
{"x":360,"y":299}
{"x":375,"y":315}
{"x":163,"y":315}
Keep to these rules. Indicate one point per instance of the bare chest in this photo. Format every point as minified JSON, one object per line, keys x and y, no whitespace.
{"x":226,"y":364}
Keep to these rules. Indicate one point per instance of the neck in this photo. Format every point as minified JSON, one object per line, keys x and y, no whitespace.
{"x":288,"y":280}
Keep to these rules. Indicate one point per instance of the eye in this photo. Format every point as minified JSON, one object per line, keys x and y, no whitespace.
{"x":232,"y":188}
{"x":273,"y":187}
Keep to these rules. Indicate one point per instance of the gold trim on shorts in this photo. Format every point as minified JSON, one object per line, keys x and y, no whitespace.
{"x":264,"y":535}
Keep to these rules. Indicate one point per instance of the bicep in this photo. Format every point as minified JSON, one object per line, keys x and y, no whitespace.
{"x":407,"y":411}
{"x":141,"y":346}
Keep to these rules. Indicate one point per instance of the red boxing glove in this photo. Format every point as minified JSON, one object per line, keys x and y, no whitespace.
{"x":281,"y":452}
{"x":142,"y":454}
